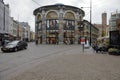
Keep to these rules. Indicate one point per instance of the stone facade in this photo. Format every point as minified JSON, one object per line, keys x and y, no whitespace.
{"x":4,"y":18}
{"x":57,"y":24}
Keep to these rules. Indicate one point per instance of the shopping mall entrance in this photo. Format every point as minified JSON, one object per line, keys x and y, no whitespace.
{"x":52,"y":38}
{"x":69,"y":37}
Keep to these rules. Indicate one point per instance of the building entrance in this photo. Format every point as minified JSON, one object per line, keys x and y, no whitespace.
{"x":52,"y":38}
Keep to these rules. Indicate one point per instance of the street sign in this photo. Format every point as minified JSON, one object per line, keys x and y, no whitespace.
{"x":82,"y":40}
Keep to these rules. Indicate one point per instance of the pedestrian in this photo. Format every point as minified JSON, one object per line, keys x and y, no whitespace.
{"x":36,"y":42}
{"x":66,"y":41}
{"x":95,"y":47}
{"x":57,"y":41}
{"x":3,"y":42}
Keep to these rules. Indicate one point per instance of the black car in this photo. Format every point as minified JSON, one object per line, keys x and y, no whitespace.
{"x":14,"y":46}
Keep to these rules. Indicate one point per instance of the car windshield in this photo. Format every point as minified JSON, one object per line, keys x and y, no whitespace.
{"x":13,"y":43}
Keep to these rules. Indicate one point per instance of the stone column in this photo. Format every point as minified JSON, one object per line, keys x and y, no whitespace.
{"x":61,"y":26}
{"x":36,"y":30}
{"x":43,"y":28}
{"x":61,"y":32}
{"x":76,"y":32}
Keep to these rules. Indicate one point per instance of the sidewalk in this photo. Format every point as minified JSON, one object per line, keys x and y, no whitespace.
{"x":89,"y":51}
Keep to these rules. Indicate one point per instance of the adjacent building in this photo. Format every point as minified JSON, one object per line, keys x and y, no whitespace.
{"x":4,"y":20}
{"x":114,"y":19}
{"x":99,"y":26}
{"x":19,"y":30}
{"x":57,"y":24}
{"x":4,"y":17}
{"x":94,"y":31}
{"x":13,"y":29}
{"x":32,"y":36}
{"x":24,"y":31}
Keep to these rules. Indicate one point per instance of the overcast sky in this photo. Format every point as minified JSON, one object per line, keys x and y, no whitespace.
{"x":22,"y":10}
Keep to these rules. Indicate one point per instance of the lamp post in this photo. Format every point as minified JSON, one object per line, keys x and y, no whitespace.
{"x":18,"y":28}
{"x":90,"y":19}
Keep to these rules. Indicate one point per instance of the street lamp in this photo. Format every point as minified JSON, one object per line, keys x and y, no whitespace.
{"x":18,"y":28}
{"x":90,"y":19}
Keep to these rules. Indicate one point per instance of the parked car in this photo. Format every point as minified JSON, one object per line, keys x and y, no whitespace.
{"x":14,"y":46}
{"x":6,"y":42}
{"x":87,"y":45}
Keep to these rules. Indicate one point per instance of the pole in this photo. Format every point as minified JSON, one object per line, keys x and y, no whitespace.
{"x":4,"y":31}
{"x":18,"y":28}
{"x":83,"y":36}
{"x":83,"y":48}
{"x":90,"y":21}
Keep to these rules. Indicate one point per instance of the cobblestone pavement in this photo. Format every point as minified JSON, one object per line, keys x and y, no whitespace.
{"x":72,"y":64}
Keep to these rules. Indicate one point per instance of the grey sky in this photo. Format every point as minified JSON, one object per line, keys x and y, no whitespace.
{"x":23,"y":9}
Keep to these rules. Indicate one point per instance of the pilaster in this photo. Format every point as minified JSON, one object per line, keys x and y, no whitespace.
{"x":43,"y":27}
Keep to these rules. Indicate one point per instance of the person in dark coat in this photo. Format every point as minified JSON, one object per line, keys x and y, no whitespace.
{"x":3,"y":42}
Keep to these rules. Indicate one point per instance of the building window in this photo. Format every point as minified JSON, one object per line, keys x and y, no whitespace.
{"x":69,"y":15}
{"x":52,"y":15}
{"x":52,"y":24}
{"x":39,"y":17}
{"x":68,"y":24}
{"x":69,"y":31}
{"x":40,"y":25}
{"x":52,"y":28}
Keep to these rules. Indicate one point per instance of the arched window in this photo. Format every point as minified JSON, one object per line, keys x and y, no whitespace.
{"x":69,"y":28}
{"x":80,"y":18}
{"x":52,"y":21}
{"x":52,"y":15}
{"x":39,"y":17}
{"x":69,"y":15}
{"x":52,"y":26}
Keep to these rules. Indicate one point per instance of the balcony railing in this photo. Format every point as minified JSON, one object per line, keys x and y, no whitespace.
{"x":52,"y":28}
{"x":69,"y":28}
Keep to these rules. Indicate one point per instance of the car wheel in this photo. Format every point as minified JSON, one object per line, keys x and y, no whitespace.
{"x":16,"y":49}
{"x":25,"y":47}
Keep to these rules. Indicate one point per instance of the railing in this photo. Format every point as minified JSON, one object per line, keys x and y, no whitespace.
{"x":52,"y":28}
{"x":69,"y":28}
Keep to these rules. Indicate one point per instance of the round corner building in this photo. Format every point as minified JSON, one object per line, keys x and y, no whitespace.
{"x":57,"y":24}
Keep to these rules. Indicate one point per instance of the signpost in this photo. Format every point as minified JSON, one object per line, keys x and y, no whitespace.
{"x":82,"y":41}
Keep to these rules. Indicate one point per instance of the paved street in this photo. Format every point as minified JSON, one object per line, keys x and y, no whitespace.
{"x":58,"y":62}
{"x":17,"y":62}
